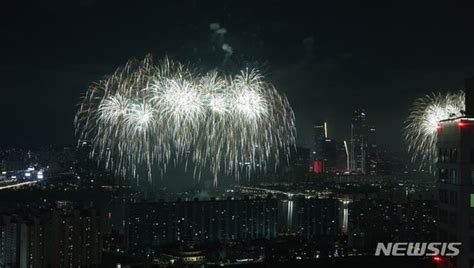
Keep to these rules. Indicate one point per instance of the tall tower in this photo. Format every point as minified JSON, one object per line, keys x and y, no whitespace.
{"x":456,"y":181}
{"x":358,"y":141}
{"x":317,"y":155}
{"x":371,"y":151}
{"x":319,"y":137}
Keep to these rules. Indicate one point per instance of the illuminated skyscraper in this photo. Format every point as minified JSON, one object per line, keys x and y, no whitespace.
{"x":317,"y":154}
{"x":319,"y":137}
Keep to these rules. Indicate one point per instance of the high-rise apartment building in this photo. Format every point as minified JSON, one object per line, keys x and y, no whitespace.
{"x":455,"y":170}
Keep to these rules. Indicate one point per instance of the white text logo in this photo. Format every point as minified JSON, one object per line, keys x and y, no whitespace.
{"x":417,"y":249}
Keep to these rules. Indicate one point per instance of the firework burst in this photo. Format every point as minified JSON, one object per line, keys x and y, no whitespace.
{"x":420,"y":130}
{"x":147,"y":115}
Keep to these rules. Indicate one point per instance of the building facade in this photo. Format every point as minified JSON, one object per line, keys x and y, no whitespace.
{"x":363,"y":146}
{"x":316,"y":219}
{"x":358,"y":140}
{"x":152,"y":225}
{"x":455,"y":169}
{"x":51,"y":238}
{"x":456,"y":186}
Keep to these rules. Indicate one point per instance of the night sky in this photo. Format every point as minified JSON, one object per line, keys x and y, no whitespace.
{"x":328,"y":57}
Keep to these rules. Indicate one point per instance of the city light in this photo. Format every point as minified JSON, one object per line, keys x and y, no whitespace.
{"x":325,"y":130}
{"x":216,"y":151}
{"x":464,"y":123}
{"x":346,"y":149}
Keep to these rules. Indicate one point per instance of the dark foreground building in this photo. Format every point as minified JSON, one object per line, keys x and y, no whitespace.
{"x":152,"y":225}
{"x":456,"y":181}
{"x":51,"y":238}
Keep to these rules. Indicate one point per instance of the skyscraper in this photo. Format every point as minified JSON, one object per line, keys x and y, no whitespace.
{"x":329,"y":154}
{"x":363,"y":145}
{"x":319,"y":131}
{"x":318,"y":147}
{"x":358,"y":141}
{"x":456,"y":181}
{"x":371,"y":151}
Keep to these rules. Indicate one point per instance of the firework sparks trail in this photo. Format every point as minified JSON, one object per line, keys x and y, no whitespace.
{"x":421,"y":126}
{"x":146,"y":115}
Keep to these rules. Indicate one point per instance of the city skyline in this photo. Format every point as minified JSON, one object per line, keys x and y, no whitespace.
{"x":231,"y":133}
